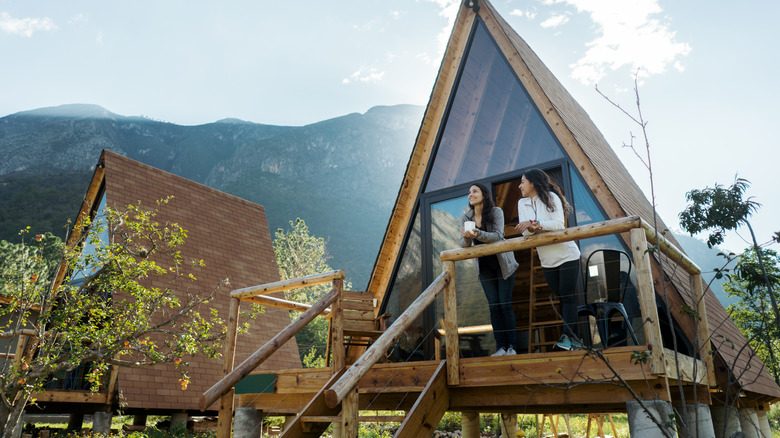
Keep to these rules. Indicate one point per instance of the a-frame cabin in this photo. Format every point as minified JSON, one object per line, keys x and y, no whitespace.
{"x":496,"y":111}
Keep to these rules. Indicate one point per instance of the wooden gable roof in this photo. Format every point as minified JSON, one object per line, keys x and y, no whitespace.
{"x":601,"y":169}
{"x":232,"y":236}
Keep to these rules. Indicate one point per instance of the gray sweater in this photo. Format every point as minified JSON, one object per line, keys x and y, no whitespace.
{"x":494,"y":232}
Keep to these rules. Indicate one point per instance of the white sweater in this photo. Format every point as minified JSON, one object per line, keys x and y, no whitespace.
{"x":556,"y":254}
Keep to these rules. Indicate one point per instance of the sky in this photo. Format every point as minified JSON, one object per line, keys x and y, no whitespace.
{"x":705,"y":72}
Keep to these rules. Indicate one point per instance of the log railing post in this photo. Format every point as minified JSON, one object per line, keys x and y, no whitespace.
{"x":225,"y":419}
{"x":349,"y":414}
{"x":451,"y":327}
{"x":702,"y":328}
{"x":646,"y":292}
{"x":337,"y":328}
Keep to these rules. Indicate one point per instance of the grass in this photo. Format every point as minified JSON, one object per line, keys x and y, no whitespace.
{"x":451,"y":422}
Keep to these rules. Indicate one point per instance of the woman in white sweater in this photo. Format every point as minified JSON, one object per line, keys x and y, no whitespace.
{"x":543,"y":208}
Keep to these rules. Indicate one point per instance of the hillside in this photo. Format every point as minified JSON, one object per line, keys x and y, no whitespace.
{"x":340,"y":175}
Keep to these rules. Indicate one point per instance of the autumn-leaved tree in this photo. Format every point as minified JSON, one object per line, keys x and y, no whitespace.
{"x":105,"y":310}
{"x":299,"y":254}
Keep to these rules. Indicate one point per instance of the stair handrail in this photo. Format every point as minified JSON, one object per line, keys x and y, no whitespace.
{"x":269,"y":348}
{"x":336,"y":393}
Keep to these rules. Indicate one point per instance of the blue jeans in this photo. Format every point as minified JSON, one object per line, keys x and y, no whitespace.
{"x":499,"y":297}
{"x":563,"y":281}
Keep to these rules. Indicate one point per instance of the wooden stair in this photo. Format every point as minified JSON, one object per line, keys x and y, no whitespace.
{"x":421,"y":420}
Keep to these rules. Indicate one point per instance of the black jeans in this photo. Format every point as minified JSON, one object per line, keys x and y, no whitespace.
{"x":498,"y":292}
{"x":562,"y":280}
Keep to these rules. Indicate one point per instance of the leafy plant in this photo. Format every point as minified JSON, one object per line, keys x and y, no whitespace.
{"x":122,"y":301}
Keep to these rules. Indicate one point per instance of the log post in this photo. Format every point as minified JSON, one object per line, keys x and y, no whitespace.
{"x":702,"y":329}
{"x":646,"y":292}
{"x":225,"y":420}
{"x":337,"y":327}
{"x":451,"y":327}
{"x":349,"y":414}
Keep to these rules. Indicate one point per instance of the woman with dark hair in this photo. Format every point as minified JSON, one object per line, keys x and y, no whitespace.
{"x":496,"y":272}
{"x":543,"y":208}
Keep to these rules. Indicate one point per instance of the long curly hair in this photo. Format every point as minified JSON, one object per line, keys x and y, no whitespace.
{"x":487,"y":203}
{"x":544,"y":185}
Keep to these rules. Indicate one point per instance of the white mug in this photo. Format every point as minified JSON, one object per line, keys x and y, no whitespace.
{"x":469,"y":225}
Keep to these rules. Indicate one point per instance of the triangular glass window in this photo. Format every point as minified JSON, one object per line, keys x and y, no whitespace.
{"x":492,"y":125}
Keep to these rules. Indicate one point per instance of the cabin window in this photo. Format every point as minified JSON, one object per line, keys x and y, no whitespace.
{"x":492,"y":126}
{"x":406,"y":287}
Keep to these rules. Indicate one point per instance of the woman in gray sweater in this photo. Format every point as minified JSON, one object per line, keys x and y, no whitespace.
{"x":496,"y":272}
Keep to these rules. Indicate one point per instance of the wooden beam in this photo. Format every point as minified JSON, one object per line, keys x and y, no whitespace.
{"x":671,"y":251}
{"x":225,"y":419}
{"x":70,"y":396}
{"x":281,"y":286}
{"x":470,"y":330}
{"x":270,"y":347}
{"x":547,"y":238}
{"x":315,"y":408}
{"x":646,"y":295}
{"x":283,"y":304}
{"x":556,"y":368}
{"x":451,"y":326}
{"x":350,"y":413}
{"x":543,"y":398}
{"x":703,"y":346}
{"x":430,"y":406}
{"x":337,"y":328}
{"x":336,"y":393}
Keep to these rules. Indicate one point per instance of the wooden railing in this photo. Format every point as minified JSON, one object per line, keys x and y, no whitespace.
{"x":347,"y":382}
{"x":343,"y":390}
{"x":640,"y":234}
{"x":223,"y":389}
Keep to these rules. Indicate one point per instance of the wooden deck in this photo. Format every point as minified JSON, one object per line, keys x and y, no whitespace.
{"x":559,"y":382}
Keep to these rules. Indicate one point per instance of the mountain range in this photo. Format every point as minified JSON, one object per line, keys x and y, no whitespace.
{"x":340,"y":175}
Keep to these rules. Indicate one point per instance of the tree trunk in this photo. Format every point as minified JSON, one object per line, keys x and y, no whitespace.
{"x":10,"y":417}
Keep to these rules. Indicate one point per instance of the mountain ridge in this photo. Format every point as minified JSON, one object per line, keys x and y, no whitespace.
{"x":340,"y":175}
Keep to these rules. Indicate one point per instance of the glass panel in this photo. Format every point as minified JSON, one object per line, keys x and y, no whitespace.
{"x":89,"y":246}
{"x":586,"y":210}
{"x":472,"y":304}
{"x":492,"y":126}
{"x":407,"y":286}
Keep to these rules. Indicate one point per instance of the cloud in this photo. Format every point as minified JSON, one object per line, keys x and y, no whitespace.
{"x":630,"y":36}
{"x":79,"y":18}
{"x":24,"y":26}
{"x":555,"y":21}
{"x":448,"y":10}
{"x":518,"y":13}
{"x":364,"y":75}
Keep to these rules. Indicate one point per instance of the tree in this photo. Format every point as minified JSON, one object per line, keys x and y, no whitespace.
{"x":122,"y":302}
{"x":19,"y":261}
{"x":721,"y":209}
{"x":299,"y":254}
{"x":752,"y":313}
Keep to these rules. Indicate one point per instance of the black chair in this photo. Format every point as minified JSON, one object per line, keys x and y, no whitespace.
{"x":606,"y":283}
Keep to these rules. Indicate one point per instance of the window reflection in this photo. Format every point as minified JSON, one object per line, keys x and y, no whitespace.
{"x":492,"y":126}
{"x":407,"y":286}
{"x":472,"y":304}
